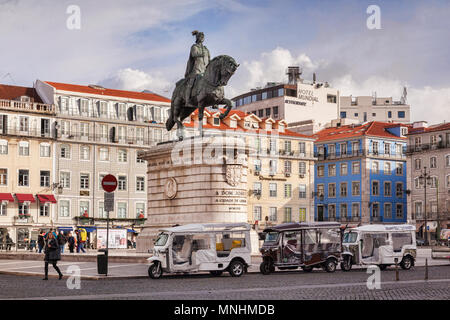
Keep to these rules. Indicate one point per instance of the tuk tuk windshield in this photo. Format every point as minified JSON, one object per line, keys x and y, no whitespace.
{"x":161,"y":240}
{"x":271,"y":237}
{"x":350,"y":237}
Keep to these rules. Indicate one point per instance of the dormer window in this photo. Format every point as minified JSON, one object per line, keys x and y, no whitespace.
{"x":268,"y":126}
{"x":25,"y":99}
{"x":247,"y":124}
{"x":281,"y":127}
{"x":404,"y":131}
{"x":255,"y":125}
{"x":216,"y":121}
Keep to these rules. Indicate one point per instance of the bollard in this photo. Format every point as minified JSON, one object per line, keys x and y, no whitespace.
{"x":426,"y":268}
{"x":397,"y":278}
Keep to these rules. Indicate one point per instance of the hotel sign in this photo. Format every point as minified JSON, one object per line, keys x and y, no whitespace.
{"x":305,"y":94}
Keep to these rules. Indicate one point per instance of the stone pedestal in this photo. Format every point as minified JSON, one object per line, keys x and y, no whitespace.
{"x":198,"y":180}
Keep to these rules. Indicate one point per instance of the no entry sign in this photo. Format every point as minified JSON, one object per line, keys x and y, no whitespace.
{"x":109,"y":183}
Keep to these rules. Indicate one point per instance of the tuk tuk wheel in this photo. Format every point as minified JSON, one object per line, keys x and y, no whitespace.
{"x":330,"y":265}
{"x":406,"y":263}
{"x":383,"y":267}
{"x":236,"y":268}
{"x":307,"y":269}
{"x":155,"y":270}
{"x":346,"y":264}
{"x":266,"y":267}
{"x":216,"y":273}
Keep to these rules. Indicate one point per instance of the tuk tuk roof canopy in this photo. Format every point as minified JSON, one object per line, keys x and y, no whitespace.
{"x":208,"y":227}
{"x":385,"y":227}
{"x":301,"y":225}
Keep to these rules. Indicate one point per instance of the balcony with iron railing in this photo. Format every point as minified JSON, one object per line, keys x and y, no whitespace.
{"x":431,"y":216}
{"x":350,"y":219}
{"x":26,"y":132}
{"x":424,"y":147}
{"x":359,"y":153}
{"x":101,"y":138}
{"x":21,"y":106}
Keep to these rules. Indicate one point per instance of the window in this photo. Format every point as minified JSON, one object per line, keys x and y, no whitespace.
{"x":332,"y":211}
{"x":331,"y":170}
{"x":272,"y":189}
{"x":343,"y":210}
{"x":275,"y":112}
{"x":287,"y":214}
{"x":104,"y":154}
{"x":273,"y":214}
{"x":399,"y":210}
{"x":139,"y":159}
{"x":389,"y":114}
{"x":343,"y":114}
{"x":140,"y":184}
{"x":399,"y":190}
{"x":399,"y":169}
{"x":301,"y":148}
{"x":84,"y":152}
{"x":344,"y":169}
{"x":23,"y":124}
{"x":401,"y":114}
{"x":3,"y":209}
{"x":375,"y":209}
{"x":387,"y":210}
{"x":64,"y":179}
{"x":122,"y":183}
{"x":447,"y":160}
{"x":287,"y":146}
{"x":3,"y":147}
{"x":302,"y":214}
{"x":24,"y":176}
{"x":302,"y":167}
{"x":288,"y":190}
{"x":418,"y":164}
{"x":44,"y":150}
{"x":387,"y":168}
{"x":257,"y":164}
{"x":320,"y":190}
{"x":447,"y":179}
{"x":343,"y":147}
{"x":122,"y":155}
{"x":257,"y":188}
{"x":355,"y":209}
{"x":387,"y":189}
{"x":433,"y":162}
{"x":355,"y":188}
{"x":101,"y":210}
{"x":320,"y":171}
{"x":375,"y":147}
{"x":331,"y":150}
{"x":140,"y":209}
{"x":84,"y":130}
{"x":287,"y":166}
{"x":84,"y":208}
{"x":375,"y":188}
{"x":84,"y":181}
{"x":64,"y":208}
{"x":121,"y":210}
{"x":387,"y":148}
{"x":375,"y":167}
{"x":331,"y":99}
{"x":64,"y":151}
{"x":45,"y":178}
{"x":268,"y":112}
{"x":3,"y":177}
{"x":343,"y":189}
{"x":261,"y":113}
{"x":24,"y":148}
{"x":331,"y":190}
{"x":24,"y":209}
{"x":272,"y":167}
{"x":355,"y":167}
{"x":355,"y":148}
{"x":302,"y":191}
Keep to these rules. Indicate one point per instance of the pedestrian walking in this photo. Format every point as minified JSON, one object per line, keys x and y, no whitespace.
{"x":80,"y":242}
{"x":71,"y":241}
{"x":52,"y":255}
{"x":41,"y":241}
{"x":61,"y":241}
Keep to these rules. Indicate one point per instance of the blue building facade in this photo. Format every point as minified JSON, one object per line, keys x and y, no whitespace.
{"x":360,"y":175}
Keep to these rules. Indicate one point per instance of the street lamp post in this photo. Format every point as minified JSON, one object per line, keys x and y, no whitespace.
{"x":425,"y":179}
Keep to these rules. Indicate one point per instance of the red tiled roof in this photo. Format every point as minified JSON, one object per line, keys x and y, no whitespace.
{"x":8,"y":92}
{"x":439,"y":127}
{"x":108,"y":92}
{"x":374,"y":128}
{"x":242,"y":114}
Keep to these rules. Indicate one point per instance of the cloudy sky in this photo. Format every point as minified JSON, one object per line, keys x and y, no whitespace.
{"x":144,"y":44}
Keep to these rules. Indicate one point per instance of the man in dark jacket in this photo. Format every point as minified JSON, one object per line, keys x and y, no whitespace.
{"x":61,"y":241}
{"x":52,"y":255}
{"x":41,"y":242}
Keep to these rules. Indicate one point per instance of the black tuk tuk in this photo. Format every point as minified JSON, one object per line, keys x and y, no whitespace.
{"x":307,"y":245}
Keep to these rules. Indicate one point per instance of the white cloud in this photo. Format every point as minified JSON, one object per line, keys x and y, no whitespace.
{"x":136,"y":80}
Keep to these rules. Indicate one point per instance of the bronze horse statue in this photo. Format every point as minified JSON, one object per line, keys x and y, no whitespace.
{"x":206,"y":92}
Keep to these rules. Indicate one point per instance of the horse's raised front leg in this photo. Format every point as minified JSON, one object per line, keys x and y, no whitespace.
{"x":176,"y":117}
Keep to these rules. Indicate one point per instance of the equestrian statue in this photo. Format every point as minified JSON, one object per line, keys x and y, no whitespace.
{"x":201,"y":87}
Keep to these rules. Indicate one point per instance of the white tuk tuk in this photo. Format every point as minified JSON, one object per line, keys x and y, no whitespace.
{"x":379,"y":245}
{"x":202,"y":247}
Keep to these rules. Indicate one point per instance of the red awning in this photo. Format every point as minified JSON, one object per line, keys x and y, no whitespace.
{"x":43,"y":198}
{"x":22,"y":197}
{"x":6,"y":196}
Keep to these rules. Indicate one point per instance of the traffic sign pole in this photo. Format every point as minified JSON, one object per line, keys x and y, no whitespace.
{"x":109,"y":184}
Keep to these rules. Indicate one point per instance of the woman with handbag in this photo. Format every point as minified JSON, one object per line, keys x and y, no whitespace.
{"x":52,"y":255}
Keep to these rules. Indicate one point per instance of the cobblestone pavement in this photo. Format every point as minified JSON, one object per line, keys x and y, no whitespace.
{"x":292,"y":285}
